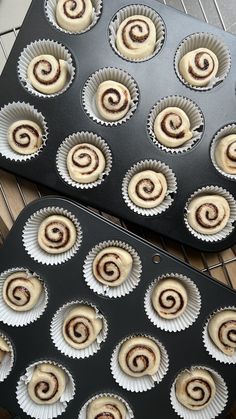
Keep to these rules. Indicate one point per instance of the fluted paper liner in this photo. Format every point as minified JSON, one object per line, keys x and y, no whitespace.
{"x":223,"y":132}
{"x":79,"y":138}
{"x":139,"y":384}
{"x":211,"y":348}
{"x":11,"y":113}
{"x":192,"y":111}
{"x":60,"y":342}
{"x":214,"y":409}
{"x":211,"y":42}
{"x":21,"y":318}
{"x":38,"y":411}
{"x":129,"y":11}
{"x":30,"y":237}
{"x":83,"y":412}
{"x":121,"y":290}
{"x":213,"y":190}
{"x":8,"y":361}
{"x":187,"y":318}
{"x":36,"y":48}
{"x":91,"y":87}
{"x":50,"y":11}
{"x":158,"y":167}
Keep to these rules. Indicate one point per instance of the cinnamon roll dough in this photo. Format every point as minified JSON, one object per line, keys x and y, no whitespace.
{"x":4,"y":349}
{"x":147,"y":189}
{"x":21,"y":292}
{"x":113,"y":100}
{"x":169,"y":298}
{"x":139,"y":356}
{"x":196,"y":389}
{"x":112,"y":266}
{"x":81,"y":326}
{"x":199,"y":67}
{"x":74,"y":15}
{"x":225,"y":154}
{"x":106,"y":407}
{"x":222,"y":330}
{"x":25,"y":137}
{"x":136,"y":37}
{"x":57,"y":234}
{"x":85,"y":163}
{"x":47,"y":74}
{"x":172,"y":127}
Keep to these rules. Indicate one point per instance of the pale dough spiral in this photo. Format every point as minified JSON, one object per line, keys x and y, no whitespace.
{"x":147,"y":189}
{"x":222,"y":330}
{"x":169,"y":298}
{"x":225,"y":154}
{"x":56,"y":234}
{"x":106,"y":407}
{"x":113,"y":100}
{"x":4,"y":349}
{"x":25,"y":137}
{"x":74,"y":15}
{"x":199,"y":67}
{"x":85,"y":163}
{"x":172,"y":127}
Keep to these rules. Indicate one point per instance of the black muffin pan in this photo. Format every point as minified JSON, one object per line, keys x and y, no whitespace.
{"x":125,"y":316}
{"x":129,"y":142}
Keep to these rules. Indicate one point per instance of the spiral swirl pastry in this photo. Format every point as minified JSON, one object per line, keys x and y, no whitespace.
{"x":56,"y":234}
{"x":47,"y":74}
{"x":85,"y":163}
{"x":208,"y":214}
{"x":172,"y":127}
{"x":25,"y":137}
{"x":136,"y":37}
{"x":147,"y":189}
{"x":112,"y":266}
{"x":222,"y":330}
{"x":199,"y":67}
{"x":196,"y":389}
{"x":139,"y":356}
{"x":225,"y":154}
{"x":4,"y":349}
{"x":74,"y":15}
{"x":169,"y":298}
{"x":81,"y":326}
{"x":21,"y":291}
{"x":47,"y":384}
{"x":106,"y":407}
{"x":113,"y":100}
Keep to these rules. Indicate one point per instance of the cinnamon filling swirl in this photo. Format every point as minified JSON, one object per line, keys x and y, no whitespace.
{"x":113,"y":100}
{"x":222,"y":330}
{"x":147,"y":189}
{"x":199,"y":67}
{"x":225,"y":154}
{"x":169,"y":298}
{"x":85,"y":163}
{"x":25,"y":137}
{"x":56,"y":234}
{"x":74,"y":15}
{"x":106,"y":407}
{"x":172,"y":127}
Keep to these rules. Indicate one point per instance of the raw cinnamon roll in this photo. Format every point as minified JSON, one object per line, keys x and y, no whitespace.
{"x":139,"y":356}
{"x":25,"y":137}
{"x":225,"y":154}
{"x":47,"y":74}
{"x":81,"y":327}
{"x":136,"y":37}
{"x":47,"y":384}
{"x":196,"y":389}
{"x":112,"y":266}
{"x":85,"y":163}
{"x":74,"y":15}
{"x":199,"y":67}
{"x":4,"y":349}
{"x":172,"y":127}
{"x":169,"y":298}
{"x":147,"y":189}
{"x":21,"y":292}
{"x":222,"y":330}
{"x":208,"y":214}
{"x":106,"y":407}
{"x":56,"y":234}
{"x":113,"y":100}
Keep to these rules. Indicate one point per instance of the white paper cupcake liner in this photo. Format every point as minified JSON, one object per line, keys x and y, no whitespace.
{"x":91,"y":87}
{"x":30,"y":237}
{"x":192,"y":111}
{"x":224,"y":132}
{"x":211,"y":348}
{"x":156,"y":166}
{"x":21,"y":318}
{"x":44,"y":46}
{"x":129,"y":11}
{"x":83,"y":412}
{"x":204,"y":40}
{"x":141,"y":384}
{"x":38,"y":411}
{"x":213,"y":190}
{"x":79,"y":138}
{"x":50,"y":11}
{"x":214,"y":409}
{"x":8,"y":361}
{"x":14,"y":112}
{"x":187,"y":318}
{"x":60,"y":342}
{"x":121,"y":290}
